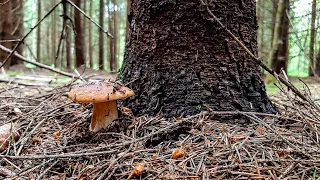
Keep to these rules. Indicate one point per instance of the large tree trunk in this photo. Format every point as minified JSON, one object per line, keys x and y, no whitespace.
{"x":6,"y":29}
{"x":79,"y":45}
{"x":178,"y":62}
{"x":312,"y":37}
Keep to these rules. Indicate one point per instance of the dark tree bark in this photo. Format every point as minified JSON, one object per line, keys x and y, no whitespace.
{"x":6,"y":27}
{"x":39,"y":32}
{"x":179,"y":62}
{"x":312,"y":37}
{"x":101,"y":39}
{"x":79,"y":44}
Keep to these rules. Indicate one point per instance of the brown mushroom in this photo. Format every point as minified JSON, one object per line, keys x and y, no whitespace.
{"x":104,"y":98}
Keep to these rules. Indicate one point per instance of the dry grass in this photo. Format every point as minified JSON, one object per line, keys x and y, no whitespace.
{"x":282,"y":146}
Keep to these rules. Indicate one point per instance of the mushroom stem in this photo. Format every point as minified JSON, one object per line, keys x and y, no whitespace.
{"x":103,"y":115}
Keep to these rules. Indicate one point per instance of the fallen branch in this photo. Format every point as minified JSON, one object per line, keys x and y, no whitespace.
{"x":37,"y":63}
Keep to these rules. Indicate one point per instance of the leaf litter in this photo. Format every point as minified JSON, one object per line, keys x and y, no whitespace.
{"x":55,"y":142}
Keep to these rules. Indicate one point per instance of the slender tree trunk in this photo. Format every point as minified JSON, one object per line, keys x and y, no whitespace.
{"x":278,"y":58}
{"x":312,"y":37}
{"x":113,"y":64}
{"x":84,"y":27}
{"x":39,"y":32}
{"x":17,"y":28}
{"x":90,"y":38}
{"x":112,"y":40}
{"x":317,"y":69}
{"x":128,"y":19}
{"x":54,"y":35}
{"x":275,"y":4}
{"x":182,"y":63}
{"x":6,"y":29}
{"x":79,"y":44}
{"x":101,"y":39}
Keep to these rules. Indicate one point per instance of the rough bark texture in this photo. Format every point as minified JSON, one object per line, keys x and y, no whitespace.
{"x":5,"y":29}
{"x":178,"y":61}
{"x":79,"y":44}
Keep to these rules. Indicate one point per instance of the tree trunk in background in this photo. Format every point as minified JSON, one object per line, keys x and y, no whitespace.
{"x":79,"y":44}
{"x":275,"y":4}
{"x":317,"y":69}
{"x":17,"y":25}
{"x":278,"y":58}
{"x":128,"y":19}
{"x":182,"y":62}
{"x":90,"y":38}
{"x":112,"y":40}
{"x":312,"y":38}
{"x":113,"y":62}
{"x":53,"y":35}
{"x":261,"y":45}
{"x":84,"y":27}
{"x":101,"y":39}
{"x":68,"y":49}
{"x":6,"y":28}
{"x":39,"y":32}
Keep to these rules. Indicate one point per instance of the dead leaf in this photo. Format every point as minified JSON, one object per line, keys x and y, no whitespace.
{"x":223,"y":127}
{"x":154,"y":157}
{"x":56,"y":135}
{"x":126,"y":110}
{"x":260,"y":131}
{"x":178,"y":153}
{"x":181,"y":165}
{"x":36,"y":139}
{"x":282,"y":129}
{"x":238,"y":138}
{"x":138,"y":170}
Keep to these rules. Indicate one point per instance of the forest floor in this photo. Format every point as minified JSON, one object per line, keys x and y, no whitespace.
{"x":55,"y":142}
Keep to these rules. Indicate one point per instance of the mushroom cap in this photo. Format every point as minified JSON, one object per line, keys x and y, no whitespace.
{"x":97,"y":92}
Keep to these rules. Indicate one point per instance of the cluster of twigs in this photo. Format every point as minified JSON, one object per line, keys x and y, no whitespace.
{"x":55,"y":141}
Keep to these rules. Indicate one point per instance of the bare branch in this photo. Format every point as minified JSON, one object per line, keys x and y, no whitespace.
{"x":88,"y":17}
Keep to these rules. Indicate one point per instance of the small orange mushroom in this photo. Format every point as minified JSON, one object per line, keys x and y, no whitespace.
{"x":104,"y":98}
